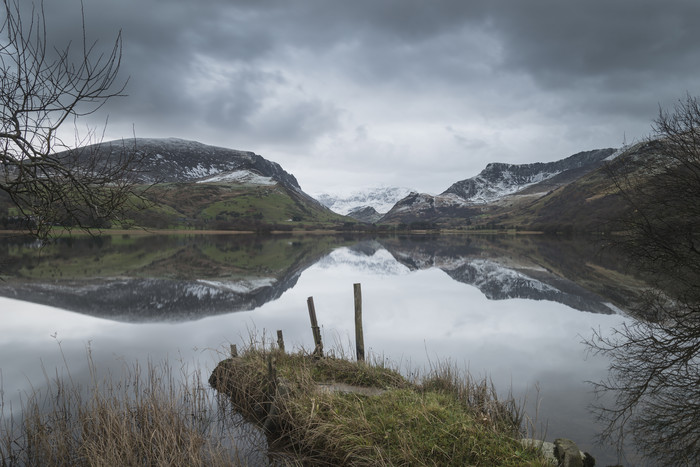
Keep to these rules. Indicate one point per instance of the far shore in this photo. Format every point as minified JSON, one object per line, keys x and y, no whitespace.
{"x":139,"y":231}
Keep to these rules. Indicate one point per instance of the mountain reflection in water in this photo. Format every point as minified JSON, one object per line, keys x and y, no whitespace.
{"x":179,"y":278}
{"x":425,"y":298}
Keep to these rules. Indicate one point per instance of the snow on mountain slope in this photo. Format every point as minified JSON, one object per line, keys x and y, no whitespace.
{"x":379,"y":262}
{"x":382,"y":199}
{"x":178,"y":160}
{"x":498,"y":179}
{"x":240,"y":176}
{"x":508,"y":182}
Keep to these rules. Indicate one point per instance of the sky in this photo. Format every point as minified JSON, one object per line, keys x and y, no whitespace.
{"x":410,"y":93}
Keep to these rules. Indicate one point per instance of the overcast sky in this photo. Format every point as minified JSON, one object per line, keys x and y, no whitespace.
{"x":410,"y":93}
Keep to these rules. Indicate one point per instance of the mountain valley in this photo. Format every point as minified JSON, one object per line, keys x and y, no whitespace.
{"x":190,"y":185}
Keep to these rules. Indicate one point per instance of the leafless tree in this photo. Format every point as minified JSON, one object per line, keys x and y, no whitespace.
{"x":44,"y":88}
{"x":654,"y":377}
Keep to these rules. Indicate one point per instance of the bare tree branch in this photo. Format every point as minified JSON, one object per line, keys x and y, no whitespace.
{"x":41,"y":90}
{"x":654,"y":376}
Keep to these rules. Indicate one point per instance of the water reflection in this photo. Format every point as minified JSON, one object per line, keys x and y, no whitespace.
{"x":178,"y":278}
{"x":461,"y":299}
{"x":158,"y":278}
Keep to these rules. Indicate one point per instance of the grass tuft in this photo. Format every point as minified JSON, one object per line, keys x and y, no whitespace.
{"x":332,"y":411}
{"x":148,"y":418}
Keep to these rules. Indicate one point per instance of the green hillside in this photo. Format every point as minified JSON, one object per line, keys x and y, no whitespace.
{"x":590,"y":203}
{"x":231,"y":206}
{"x":214,"y":206}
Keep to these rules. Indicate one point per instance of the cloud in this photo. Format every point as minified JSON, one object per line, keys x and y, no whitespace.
{"x":439,"y":89}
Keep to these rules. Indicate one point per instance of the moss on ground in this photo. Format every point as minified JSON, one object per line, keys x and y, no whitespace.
{"x":441,"y":420}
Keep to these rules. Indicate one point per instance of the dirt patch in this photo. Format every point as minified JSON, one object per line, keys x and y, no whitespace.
{"x":348,"y":389}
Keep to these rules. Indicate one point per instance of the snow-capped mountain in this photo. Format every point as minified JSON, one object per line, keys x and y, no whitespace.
{"x":382,"y":199}
{"x":208,"y":186}
{"x":366,"y":214}
{"x":176,"y":160}
{"x":498,"y":180}
{"x":463,"y":199}
{"x":425,"y":207}
{"x":240,"y":176}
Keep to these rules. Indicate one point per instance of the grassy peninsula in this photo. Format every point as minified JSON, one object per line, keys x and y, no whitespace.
{"x":313,"y":411}
{"x":334,"y":411}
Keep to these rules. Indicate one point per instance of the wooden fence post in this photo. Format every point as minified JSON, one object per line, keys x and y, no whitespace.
{"x":359,"y":335}
{"x":234,"y":351}
{"x":318,"y":349}
{"x":280,"y":340}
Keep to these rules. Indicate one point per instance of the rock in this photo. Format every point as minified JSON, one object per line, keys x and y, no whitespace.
{"x":567,"y":453}
{"x":546,"y":448}
{"x":562,"y":452}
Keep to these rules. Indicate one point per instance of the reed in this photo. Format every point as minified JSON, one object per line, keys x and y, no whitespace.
{"x":148,"y":416}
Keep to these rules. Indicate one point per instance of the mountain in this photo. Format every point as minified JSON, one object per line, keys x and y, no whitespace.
{"x":193,"y":185}
{"x":426,"y":210}
{"x":365,"y":214}
{"x":171,"y":160}
{"x":473,"y":199}
{"x":381,"y":199}
{"x":498,"y":180}
{"x":591,"y":202}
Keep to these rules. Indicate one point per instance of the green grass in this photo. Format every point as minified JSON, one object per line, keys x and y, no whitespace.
{"x":407,"y":427}
{"x":217,"y":206}
{"x":261,"y":204}
{"x":230,"y":207}
{"x":442,"y":419}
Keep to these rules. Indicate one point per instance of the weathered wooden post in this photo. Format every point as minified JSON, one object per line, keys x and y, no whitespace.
{"x":318,"y":349}
{"x":272,"y":372}
{"x":280,"y":340}
{"x":234,"y":351}
{"x":359,"y":335}
{"x":271,"y":404}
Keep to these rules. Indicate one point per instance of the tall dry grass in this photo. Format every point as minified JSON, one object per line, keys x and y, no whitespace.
{"x":148,"y":416}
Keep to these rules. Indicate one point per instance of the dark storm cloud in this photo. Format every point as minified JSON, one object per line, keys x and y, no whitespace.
{"x":617,"y":56}
{"x":470,"y":81}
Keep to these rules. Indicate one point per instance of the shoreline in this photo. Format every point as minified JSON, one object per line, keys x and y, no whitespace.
{"x":107,"y":232}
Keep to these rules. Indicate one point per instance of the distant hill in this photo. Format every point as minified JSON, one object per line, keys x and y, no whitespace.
{"x":499,"y":195}
{"x":428,"y":210}
{"x":498,"y":180}
{"x":193,"y":185}
{"x":589,"y":202}
{"x":170,"y":160}
{"x":366,"y":214}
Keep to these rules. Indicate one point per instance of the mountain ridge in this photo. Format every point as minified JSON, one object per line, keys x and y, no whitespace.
{"x":194,"y":185}
{"x":472,"y":199}
{"x":188,"y":184}
{"x":500,"y":179}
{"x":172,"y":160}
{"x":381,"y":199}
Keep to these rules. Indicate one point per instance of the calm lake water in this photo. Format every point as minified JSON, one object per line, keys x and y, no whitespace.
{"x":515,"y":309}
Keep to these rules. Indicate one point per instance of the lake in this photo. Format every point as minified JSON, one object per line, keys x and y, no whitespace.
{"x":512,"y":308}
